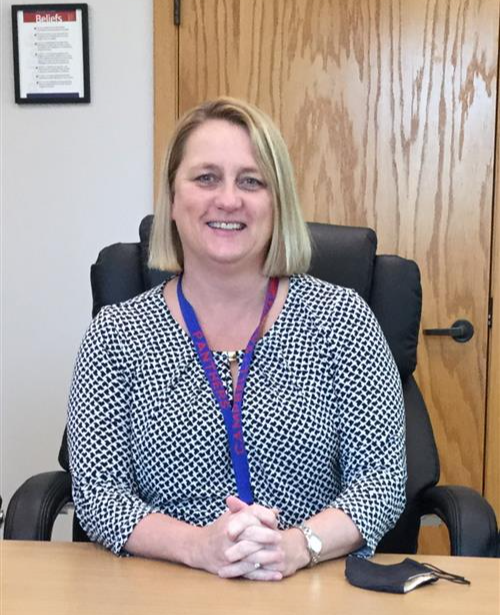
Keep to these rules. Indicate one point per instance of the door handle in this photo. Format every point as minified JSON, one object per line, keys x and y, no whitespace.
{"x":461,"y":331}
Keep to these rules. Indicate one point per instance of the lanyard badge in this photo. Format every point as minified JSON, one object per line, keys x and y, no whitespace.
{"x":230,"y":413}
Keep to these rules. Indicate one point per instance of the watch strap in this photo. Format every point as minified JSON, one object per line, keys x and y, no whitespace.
{"x":313,"y":543}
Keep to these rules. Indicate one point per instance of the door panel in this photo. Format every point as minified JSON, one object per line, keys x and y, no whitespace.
{"x":389,"y":112}
{"x":492,"y":458}
{"x":166,"y":71}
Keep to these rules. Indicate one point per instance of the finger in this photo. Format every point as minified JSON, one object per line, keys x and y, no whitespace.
{"x":262,"y":574}
{"x":258,"y":561}
{"x":272,"y":559}
{"x":242,"y":569}
{"x":239,"y":523}
{"x":241,"y":550}
{"x":276,"y":513}
{"x":261,"y":534}
{"x":235,"y":504}
{"x":236,"y":569}
{"x":238,"y":563}
{"x":267,"y":516}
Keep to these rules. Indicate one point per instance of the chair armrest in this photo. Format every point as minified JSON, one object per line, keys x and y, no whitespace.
{"x":469,"y":518}
{"x":35,"y":505}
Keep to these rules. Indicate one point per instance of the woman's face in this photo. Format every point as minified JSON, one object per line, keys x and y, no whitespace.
{"x":222,"y":206}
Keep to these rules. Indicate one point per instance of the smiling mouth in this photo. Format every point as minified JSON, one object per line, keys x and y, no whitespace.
{"x":227,"y":226}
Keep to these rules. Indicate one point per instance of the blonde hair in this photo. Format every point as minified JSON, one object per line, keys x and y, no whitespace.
{"x":290,"y":246}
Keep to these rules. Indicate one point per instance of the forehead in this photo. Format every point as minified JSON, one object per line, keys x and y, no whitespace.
{"x":218,"y":141}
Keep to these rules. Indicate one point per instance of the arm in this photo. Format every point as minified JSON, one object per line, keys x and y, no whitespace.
{"x":161,"y":537}
{"x":369,"y":421}
{"x":106,"y":499}
{"x":338,"y":533}
{"x":371,"y":427}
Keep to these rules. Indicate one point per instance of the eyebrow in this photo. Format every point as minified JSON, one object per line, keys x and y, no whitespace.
{"x":213,"y":167}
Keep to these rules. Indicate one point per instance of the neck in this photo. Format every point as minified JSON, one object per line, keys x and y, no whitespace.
{"x":233,"y":285}
{"x":235,"y":289}
{"x":227,"y":305}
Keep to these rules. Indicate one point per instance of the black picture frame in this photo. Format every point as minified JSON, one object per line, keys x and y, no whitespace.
{"x":54,"y":96}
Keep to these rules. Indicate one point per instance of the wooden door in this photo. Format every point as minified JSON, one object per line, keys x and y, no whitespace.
{"x":388,"y":109}
{"x":492,"y":464}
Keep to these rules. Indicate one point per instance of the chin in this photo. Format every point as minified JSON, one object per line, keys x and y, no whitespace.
{"x":235,"y":260}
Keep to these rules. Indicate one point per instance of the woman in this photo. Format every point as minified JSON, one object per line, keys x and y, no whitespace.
{"x":243,"y":418}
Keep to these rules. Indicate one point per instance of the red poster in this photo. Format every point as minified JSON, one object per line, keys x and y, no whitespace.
{"x":49,"y":16}
{"x":51,"y":53}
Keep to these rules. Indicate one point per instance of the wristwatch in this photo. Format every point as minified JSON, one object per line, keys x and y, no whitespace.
{"x":314,"y":544}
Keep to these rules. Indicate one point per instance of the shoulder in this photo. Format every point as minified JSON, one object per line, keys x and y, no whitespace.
{"x":149,"y":302}
{"x":134,"y":317}
{"x":339,"y":313}
{"x":325,"y":299}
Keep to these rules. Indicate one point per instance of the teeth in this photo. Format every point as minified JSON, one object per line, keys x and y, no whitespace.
{"x":227,"y":226}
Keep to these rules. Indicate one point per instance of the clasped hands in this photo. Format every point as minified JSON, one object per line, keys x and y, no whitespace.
{"x":245,"y":542}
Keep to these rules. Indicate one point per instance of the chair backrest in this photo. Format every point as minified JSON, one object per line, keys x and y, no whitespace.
{"x":341,"y":255}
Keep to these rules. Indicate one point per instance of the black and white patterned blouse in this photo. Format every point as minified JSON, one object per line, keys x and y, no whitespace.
{"x":323,"y":418}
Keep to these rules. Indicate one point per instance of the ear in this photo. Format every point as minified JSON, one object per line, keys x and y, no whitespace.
{"x":173,"y":208}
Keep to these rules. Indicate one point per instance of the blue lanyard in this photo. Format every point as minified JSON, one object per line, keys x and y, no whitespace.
{"x":231,"y":414}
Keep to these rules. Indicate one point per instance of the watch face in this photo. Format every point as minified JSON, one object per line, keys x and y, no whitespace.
{"x":315,"y":544}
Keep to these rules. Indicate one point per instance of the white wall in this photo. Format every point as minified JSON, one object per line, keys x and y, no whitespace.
{"x":74,"y":179}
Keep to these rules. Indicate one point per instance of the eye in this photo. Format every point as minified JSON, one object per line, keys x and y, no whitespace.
{"x":249,"y":182}
{"x":206,"y":179}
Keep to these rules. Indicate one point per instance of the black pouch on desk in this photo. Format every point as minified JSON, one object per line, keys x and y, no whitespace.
{"x":395,"y":578}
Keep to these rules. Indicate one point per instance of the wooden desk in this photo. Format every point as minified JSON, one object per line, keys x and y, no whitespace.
{"x":64,"y":579}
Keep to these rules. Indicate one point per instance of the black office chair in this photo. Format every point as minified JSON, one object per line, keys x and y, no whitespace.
{"x":391,"y":286}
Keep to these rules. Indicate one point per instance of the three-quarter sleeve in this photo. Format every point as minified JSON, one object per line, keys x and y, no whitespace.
{"x":370,"y":426}
{"x":99,"y":430}
{"x":327,"y":430}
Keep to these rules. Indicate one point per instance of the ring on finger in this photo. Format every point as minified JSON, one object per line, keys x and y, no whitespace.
{"x":257,"y":565}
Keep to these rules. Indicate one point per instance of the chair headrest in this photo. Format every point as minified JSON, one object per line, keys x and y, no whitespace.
{"x":344,"y":255}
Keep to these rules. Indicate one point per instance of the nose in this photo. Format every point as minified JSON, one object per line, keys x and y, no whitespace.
{"x":228,"y":197}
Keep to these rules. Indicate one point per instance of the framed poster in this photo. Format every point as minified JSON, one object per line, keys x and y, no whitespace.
{"x":51,"y":53}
